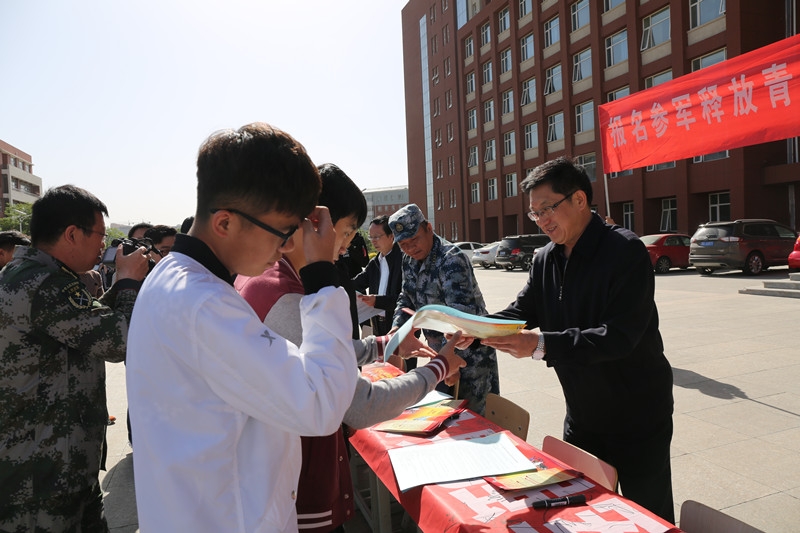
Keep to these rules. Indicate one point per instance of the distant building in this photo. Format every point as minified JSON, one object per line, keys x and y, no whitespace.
{"x":494,"y":89}
{"x":17,"y":182}
{"x":384,"y":201}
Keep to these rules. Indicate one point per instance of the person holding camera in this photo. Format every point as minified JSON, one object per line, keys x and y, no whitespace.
{"x":54,"y":341}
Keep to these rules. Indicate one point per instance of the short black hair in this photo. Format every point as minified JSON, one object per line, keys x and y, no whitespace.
{"x":562,"y":174}
{"x":382,"y":221}
{"x":61,"y":207}
{"x":341,"y":195}
{"x":137,"y":227}
{"x":186,"y":225}
{"x":159,"y":232}
{"x":257,"y":168}
{"x":11,"y":238}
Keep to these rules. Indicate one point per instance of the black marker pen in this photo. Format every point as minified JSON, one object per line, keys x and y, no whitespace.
{"x":560,"y":502}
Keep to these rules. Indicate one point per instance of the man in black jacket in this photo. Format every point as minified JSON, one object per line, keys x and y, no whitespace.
{"x":591,"y":294}
{"x":383,"y":275}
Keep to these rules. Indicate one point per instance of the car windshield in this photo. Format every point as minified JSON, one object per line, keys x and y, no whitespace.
{"x":650,"y":239}
{"x":713,"y":232}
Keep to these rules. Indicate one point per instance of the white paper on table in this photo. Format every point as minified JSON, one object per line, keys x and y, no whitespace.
{"x":453,"y":460}
{"x":432,"y":397}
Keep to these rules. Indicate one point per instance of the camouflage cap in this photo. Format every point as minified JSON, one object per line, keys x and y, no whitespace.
{"x":406,"y":221}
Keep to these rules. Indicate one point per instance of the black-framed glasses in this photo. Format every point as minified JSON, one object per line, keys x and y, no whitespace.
{"x":548,"y":210}
{"x":90,"y":230}
{"x":266,"y":227}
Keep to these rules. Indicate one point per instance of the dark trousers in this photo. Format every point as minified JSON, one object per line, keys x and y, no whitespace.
{"x":641,"y":459}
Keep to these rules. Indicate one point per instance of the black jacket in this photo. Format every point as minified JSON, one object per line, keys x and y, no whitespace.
{"x":600,"y":324}
{"x":370,"y":278}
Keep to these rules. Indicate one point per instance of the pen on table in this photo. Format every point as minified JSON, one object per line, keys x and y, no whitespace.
{"x":560,"y":502}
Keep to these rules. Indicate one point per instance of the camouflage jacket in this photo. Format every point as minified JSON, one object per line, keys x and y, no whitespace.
{"x":54,"y":341}
{"x":445,"y":277}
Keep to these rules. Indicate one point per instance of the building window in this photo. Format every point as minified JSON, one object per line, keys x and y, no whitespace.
{"x":439,"y":174}
{"x":435,"y":75}
{"x":511,"y":185}
{"x":472,"y":119}
{"x":584,"y":117}
{"x":486,"y":34}
{"x":619,"y":93}
{"x":552,"y":81}
{"x":702,"y":11}
{"x":626,"y":172}
{"x":555,"y":127}
{"x":437,"y":138}
{"x":719,"y":206}
{"x":710,"y":157}
{"x":454,"y":231}
{"x":657,"y":79}
{"x":509,"y":143}
{"x":580,"y":14}
{"x":447,"y":66}
{"x":470,"y":83}
{"x":436,"y":107}
{"x":505,"y":60}
{"x":655,"y":29}
{"x":488,"y":151}
{"x":611,"y":4}
{"x":660,"y":166}
{"x":524,"y":7}
{"x":433,"y":13}
{"x":709,"y":59}
{"x":531,"y":135}
{"x":552,"y":33}
{"x":617,"y":48}
{"x":473,"y":157}
{"x":444,"y":6}
{"x":589,"y":164}
{"x":503,"y":20}
{"x":488,"y":111}
{"x":451,"y":165}
{"x":526,"y":47}
{"x":448,"y":98}
{"x":434,"y":45}
{"x":508,"y":101}
{"x":582,"y":65}
{"x":469,"y":47}
{"x":440,"y":201}
{"x":528,"y":91}
{"x":453,"y":202}
{"x":487,"y":72}
{"x":446,"y":34}
{"x":491,"y":189}
{"x":669,"y":215}
{"x":627,"y":215}
{"x":450,"y":132}
{"x":475,"y":193}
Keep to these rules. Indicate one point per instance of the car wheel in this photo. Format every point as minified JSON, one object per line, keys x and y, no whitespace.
{"x":754,"y":264}
{"x":509,"y":267}
{"x":705,"y":271}
{"x":486,"y":265}
{"x":663,"y":265}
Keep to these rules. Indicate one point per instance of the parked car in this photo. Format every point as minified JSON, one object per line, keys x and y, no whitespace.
{"x":485,"y":255}
{"x":468,"y":247}
{"x":517,"y":250}
{"x":752,"y":245}
{"x":794,"y":256}
{"x":667,"y":250}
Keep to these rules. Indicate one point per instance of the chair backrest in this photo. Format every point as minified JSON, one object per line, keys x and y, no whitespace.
{"x":508,"y":415}
{"x":581,"y":460}
{"x":699,"y":518}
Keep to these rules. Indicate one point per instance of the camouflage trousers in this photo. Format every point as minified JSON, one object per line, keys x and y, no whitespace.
{"x":80,"y":512}
{"x":478,"y":378}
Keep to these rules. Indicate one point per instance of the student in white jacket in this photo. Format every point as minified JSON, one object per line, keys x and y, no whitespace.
{"x":218,"y":401}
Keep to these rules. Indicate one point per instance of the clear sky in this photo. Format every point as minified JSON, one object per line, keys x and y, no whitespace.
{"x":116,"y":96}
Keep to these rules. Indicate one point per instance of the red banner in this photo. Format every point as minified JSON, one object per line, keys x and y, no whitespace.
{"x":749,"y":99}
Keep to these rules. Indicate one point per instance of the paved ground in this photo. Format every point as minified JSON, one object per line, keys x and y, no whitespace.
{"x":736,"y":361}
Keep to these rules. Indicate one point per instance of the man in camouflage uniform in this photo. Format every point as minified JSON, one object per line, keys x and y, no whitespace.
{"x":436,"y":272}
{"x":54,"y":341}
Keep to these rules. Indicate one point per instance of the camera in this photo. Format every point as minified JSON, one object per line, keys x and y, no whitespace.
{"x":128,"y":247}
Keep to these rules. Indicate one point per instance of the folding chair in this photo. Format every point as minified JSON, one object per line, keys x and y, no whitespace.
{"x":581,"y":460}
{"x":699,"y":518}
{"x":508,"y":415}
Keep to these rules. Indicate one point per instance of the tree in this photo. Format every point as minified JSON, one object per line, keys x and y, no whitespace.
{"x":18,"y":217}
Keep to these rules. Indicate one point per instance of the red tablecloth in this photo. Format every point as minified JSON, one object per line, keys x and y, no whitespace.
{"x":475,"y":505}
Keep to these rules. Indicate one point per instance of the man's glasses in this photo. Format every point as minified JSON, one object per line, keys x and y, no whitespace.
{"x":548,"y":210}
{"x":90,"y":230}
{"x":266,"y":227}
{"x":376,"y":237}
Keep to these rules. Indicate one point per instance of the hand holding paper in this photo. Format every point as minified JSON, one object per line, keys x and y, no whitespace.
{"x":520,"y":345}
